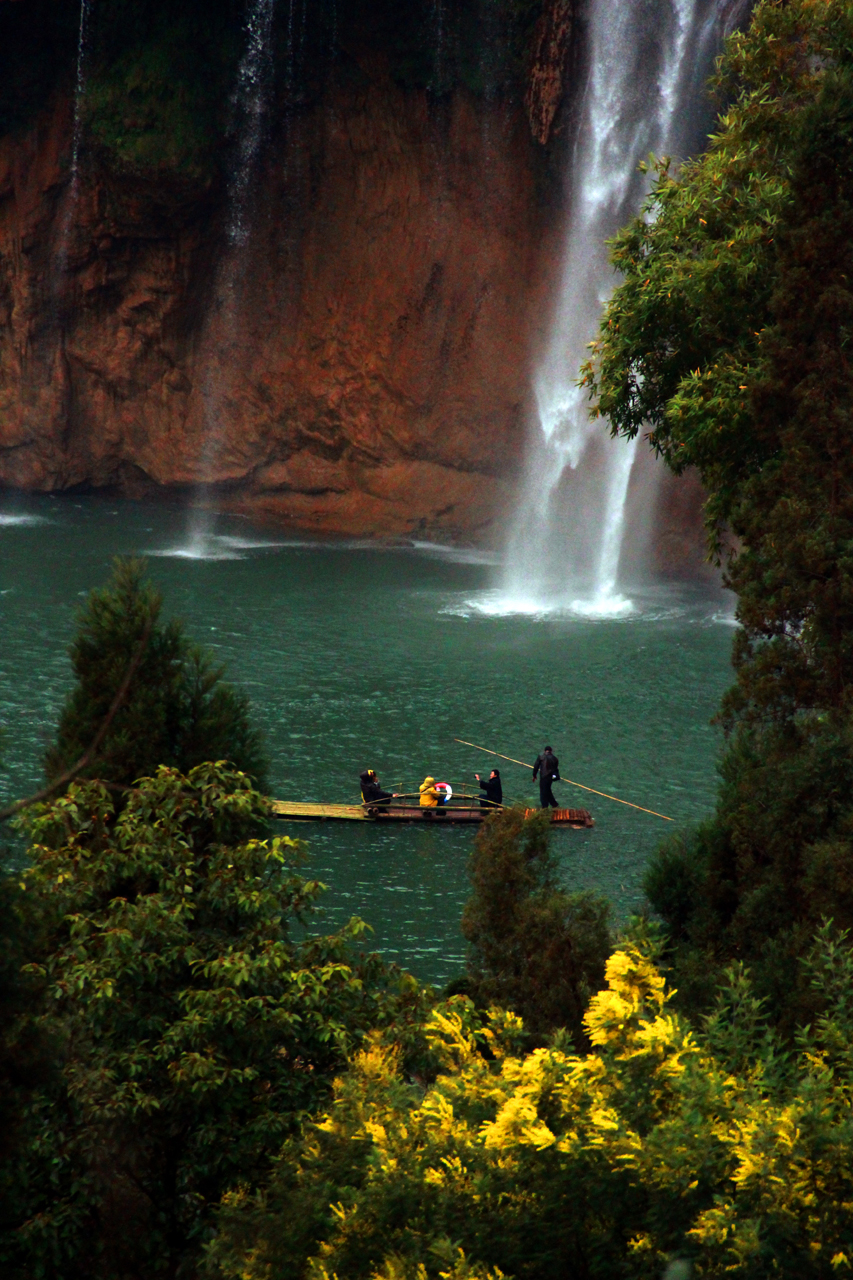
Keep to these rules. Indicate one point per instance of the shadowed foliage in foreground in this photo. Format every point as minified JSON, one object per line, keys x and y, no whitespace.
{"x":533,"y":947}
{"x":193,"y":1024}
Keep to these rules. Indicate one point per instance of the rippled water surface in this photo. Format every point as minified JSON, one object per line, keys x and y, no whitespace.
{"x":355,"y":657}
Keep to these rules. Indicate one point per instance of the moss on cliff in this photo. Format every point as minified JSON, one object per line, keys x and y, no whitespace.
{"x":161,"y":102}
{"x":160,"y":74}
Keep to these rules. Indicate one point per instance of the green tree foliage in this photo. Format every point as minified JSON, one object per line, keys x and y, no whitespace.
{"x":729,"y":337}
{"x":25,"y":1057}
{"x":194,"y":1028}
{"x":713,"y":1145}
{"x":160,"y":84}
{"x":533,"y":948}
{"x":179,"y":711}
{"x":161,"y":75}
{"x":729,"y":340}
{"x":755,"y":881}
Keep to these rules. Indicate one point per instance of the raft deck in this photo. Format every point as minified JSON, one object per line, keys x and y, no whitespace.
{"x":444,"y":815}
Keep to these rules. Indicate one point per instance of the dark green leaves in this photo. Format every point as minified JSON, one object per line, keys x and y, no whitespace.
{"x":196,"y":1029}
{"x":179,"y":711}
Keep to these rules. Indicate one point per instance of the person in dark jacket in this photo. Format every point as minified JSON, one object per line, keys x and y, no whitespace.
{"x":547,"y":766}
{"x":371,"y":792}
{"x":494,"y":796}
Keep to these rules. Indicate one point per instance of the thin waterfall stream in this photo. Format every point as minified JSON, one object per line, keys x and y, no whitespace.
{"x":72,"y":193}
{"x":643,"y":94}
{"x":250,"y":110}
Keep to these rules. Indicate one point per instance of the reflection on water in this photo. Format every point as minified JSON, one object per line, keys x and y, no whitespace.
{"x":357,"y":657}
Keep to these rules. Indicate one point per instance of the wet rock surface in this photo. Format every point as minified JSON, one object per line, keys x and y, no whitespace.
{"x":361,"y":365}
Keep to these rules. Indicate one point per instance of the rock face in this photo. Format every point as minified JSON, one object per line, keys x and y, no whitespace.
{"x":360,"y":366}
{"x":547,"y":83}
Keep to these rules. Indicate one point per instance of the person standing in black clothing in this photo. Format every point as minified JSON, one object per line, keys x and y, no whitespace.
{"x":547,"y":766}
{"x":494,"y":796}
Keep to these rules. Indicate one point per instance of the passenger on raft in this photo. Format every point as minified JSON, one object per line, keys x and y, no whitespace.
{"x":548,"y":767}
{"x":371,"y":792}
{"x":494,"y":797}
{"x":431,"y":797}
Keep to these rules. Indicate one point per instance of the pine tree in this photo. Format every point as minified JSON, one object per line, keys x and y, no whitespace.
{"x":179,"y":711}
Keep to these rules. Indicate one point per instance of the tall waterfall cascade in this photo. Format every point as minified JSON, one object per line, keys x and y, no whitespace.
{"x":586,"y":498}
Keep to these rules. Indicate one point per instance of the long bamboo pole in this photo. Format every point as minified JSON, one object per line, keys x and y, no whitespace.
{"x":525,"y":765}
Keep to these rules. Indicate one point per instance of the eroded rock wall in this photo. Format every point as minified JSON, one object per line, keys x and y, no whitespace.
{"x":360,"y":366}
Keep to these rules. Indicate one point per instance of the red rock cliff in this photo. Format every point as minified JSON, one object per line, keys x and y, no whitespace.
{"x":361,"y":367}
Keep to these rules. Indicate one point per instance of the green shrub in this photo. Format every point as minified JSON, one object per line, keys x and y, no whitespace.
{"x":714,"y":1145}
{"x":192,"y":1028}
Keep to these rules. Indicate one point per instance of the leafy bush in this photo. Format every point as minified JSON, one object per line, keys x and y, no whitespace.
{"x":157,"y":99}
{"x":713,"y":1146}
{"x":755,"y":881}
{"x":26,"y":1058}
{"x":193,"y":1029}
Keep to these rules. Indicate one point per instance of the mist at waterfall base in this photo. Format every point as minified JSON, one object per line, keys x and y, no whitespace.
{"x":581,"y":534}
{"x":356,"y":656}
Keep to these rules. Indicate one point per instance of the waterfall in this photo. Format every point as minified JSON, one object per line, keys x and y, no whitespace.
{"x":69,"y":205}
{"x":438,"y":41}
{"x":79,"y":91}
{"x":647,"y":66}
{"x":251,"y":98}
{"x":250,"y":107}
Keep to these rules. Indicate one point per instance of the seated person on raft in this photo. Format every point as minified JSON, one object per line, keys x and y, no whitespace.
{"x":371,"y":792}
{"x":431,"y":797}
{"x":494,"y":797}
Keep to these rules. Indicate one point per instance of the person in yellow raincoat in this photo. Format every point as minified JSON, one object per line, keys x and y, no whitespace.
{"x":430,"y":798}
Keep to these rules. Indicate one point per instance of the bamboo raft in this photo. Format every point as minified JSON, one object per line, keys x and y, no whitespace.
{"x":444,"y":815}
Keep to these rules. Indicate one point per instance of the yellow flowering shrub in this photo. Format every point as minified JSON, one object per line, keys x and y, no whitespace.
{"x":713,"y":1145}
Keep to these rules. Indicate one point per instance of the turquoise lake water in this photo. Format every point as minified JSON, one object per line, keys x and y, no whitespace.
{"x":356,"y":656}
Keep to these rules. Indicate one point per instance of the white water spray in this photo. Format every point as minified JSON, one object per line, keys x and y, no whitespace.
{"x":72,"y":193}
{"x":643,"y":94}
{"x":250,"y":108}
{"x":251,"y":100}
